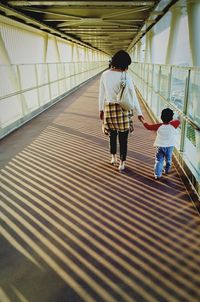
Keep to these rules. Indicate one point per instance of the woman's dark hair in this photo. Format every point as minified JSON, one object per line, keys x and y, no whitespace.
{"x":121,"y":60}
{"x":167,"y":115}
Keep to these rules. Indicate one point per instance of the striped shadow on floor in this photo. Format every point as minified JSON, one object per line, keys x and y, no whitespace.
{"x":75,"y":229}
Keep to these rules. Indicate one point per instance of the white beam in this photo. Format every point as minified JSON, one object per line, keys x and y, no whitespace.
{"x":174,"y":30}
{"x":124,"y":12}
{"x":44,"y":11}
{"x":119,"y":20}
{"x":106,"y":27}
{"x":194,"y":26}
{"x":82,"y":3}
{"x":130,"y":30}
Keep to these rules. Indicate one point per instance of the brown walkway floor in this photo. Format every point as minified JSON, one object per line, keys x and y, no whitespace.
{"x":75,"y":229}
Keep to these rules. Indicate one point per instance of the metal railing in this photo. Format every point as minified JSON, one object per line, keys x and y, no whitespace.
{"x":178,"y":88}
{"x":28,"y":89}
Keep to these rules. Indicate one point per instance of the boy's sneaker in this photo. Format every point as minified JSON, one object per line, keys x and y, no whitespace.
{"x":156,"y":177}
{"x":165,"y":172}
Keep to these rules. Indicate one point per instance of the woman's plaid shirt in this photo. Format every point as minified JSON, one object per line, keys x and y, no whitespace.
{"x":115,"y":118}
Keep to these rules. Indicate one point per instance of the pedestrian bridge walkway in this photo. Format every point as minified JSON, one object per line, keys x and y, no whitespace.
{"x":75,"y":229}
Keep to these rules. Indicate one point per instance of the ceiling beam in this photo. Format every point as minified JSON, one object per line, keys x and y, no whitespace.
{"x":99,"y":30}
{"x":43,"y":11}
{"x":91,"y":20}
{"x":82,"y":3}
{"x":124,"y":12}
{"x":69,"y":23}
{"x":103,"y":19}
{"x":119,"y":20}
{"x":63,"y":24}
{"x":106,"y":42}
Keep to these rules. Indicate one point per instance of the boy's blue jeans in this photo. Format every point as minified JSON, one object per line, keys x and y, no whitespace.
{"x":163,"y":153}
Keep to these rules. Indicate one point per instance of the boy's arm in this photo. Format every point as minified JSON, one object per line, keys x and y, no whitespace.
{"x":175,"y":123}
{"x":152,"y":126}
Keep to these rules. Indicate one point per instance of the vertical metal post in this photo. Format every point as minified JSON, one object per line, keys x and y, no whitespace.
{"x":58,"y":67}
{"x":185,"y":109}
{"x":157,"y":109}
{"x":159,"y":76}
{"x":147,"y":81}
{"x":151,"y":84}
{"x":37,"y":83}
{"x":22,"y":100}
{"x":143,"y":78}
{"x":48,"y":76}
{"x":169,"y":83}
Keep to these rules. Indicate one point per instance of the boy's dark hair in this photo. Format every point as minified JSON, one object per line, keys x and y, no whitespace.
{"x":167,"y":115}
{"x":121,"y":60}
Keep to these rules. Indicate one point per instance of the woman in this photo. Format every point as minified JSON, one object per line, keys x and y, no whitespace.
{"x":117,"y":121}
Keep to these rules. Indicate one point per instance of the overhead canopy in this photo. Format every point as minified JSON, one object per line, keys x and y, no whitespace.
{"x":104,"y":25}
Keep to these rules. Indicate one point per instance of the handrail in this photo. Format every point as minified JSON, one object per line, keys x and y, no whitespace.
{"x":51,"y":63}
{"x":169,"y":65}
{"x":44,"y":84}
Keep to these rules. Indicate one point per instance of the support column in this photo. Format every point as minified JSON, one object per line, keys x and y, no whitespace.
{"x":46,"y":66}
{"x":59,"y":68}
{"x":193,"y":8}
{"x":139,"y":44}
{"x":146,"y":55}
{"x":174,"y":28}
{"x":46,"y":41}
{"x":73,"y":52}
{"x":133,"y":56}
{"x":148,"y":50}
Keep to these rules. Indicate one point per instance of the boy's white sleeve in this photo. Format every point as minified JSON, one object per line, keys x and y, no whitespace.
{"x":101,"y":94}
{"x":135,"y":98}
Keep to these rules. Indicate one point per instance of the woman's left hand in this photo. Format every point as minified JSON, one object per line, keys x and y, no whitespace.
{"x":101,"y":115}
{"x":140,"y":118}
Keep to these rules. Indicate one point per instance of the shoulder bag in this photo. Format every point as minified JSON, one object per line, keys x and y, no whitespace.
{"x":125,"y":95}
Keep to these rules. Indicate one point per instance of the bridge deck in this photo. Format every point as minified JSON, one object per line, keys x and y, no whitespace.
{"x":75,"y":229}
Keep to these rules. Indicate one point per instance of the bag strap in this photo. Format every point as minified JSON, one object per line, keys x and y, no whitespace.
{"x":122,"y":83}
{"x":123,"y":78}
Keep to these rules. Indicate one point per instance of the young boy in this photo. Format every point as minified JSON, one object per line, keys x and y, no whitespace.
{"x":165,"y":140}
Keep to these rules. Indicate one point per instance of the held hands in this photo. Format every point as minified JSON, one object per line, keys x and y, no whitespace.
{"x":101,"y":115}
{"x":141,"y":118}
